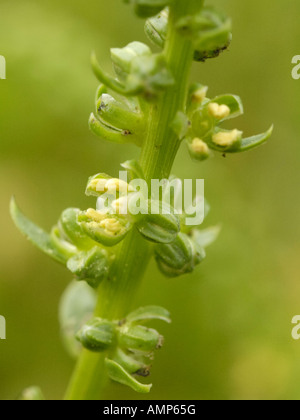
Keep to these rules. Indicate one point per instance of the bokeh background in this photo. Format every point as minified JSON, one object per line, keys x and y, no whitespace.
{"x":231,"y":331}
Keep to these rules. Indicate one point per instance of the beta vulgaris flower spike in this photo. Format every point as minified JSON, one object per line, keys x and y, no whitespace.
{"x":150,"y":103}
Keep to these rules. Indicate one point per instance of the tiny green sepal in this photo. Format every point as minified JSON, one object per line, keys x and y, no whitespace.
{"x":97,"y":335}
{"x":118,"y":374}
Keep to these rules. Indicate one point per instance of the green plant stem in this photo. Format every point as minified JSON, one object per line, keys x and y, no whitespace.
{"x":157,"y":157}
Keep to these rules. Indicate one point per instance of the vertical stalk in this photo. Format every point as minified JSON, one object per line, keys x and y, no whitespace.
{"x":158,"y":153}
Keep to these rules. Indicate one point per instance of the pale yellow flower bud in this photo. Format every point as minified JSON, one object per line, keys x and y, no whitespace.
{"x":218,"y":111}
{"x":227,"y":139}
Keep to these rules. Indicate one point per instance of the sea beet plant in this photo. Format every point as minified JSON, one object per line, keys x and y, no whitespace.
{"x":148,"y":102}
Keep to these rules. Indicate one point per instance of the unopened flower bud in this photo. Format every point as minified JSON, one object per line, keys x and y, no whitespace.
{"x":104,"y":228}
{"x":139,"y":338}
{"x":97,"y":335}
{"x":180,"y":257}
{"x":91,"y":266}
{"x":161,"y":225}
{"x":217,"y":111}
{"x":199,"y":150}
{"x":227,"y":139}
{"x":123,"y":57}
{"x":156,"y":28}
{"x":102,"y":183}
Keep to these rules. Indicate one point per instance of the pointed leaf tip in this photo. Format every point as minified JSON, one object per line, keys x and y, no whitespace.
{"x":34,"y":233}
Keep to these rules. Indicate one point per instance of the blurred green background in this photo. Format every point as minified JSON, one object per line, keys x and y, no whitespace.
{"x":231,"y":331}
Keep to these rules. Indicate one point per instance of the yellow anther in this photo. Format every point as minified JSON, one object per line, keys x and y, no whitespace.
{"x":199,"y":147}
{"x":98,"y":185}
{"x":95,"y":215}
{"x":118,"y":185}
{"x":199,"y":95}
{"x":218,"y":111}
{"x":112,"y":226}
{"x":226,"y":139}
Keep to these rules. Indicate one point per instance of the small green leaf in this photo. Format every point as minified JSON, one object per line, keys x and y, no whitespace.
{"x":118,"y":374}
{"x":206,"y":237}
{"x":35,"y":234}
{"x":149,"y":313}
{"x":76,"y":307}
